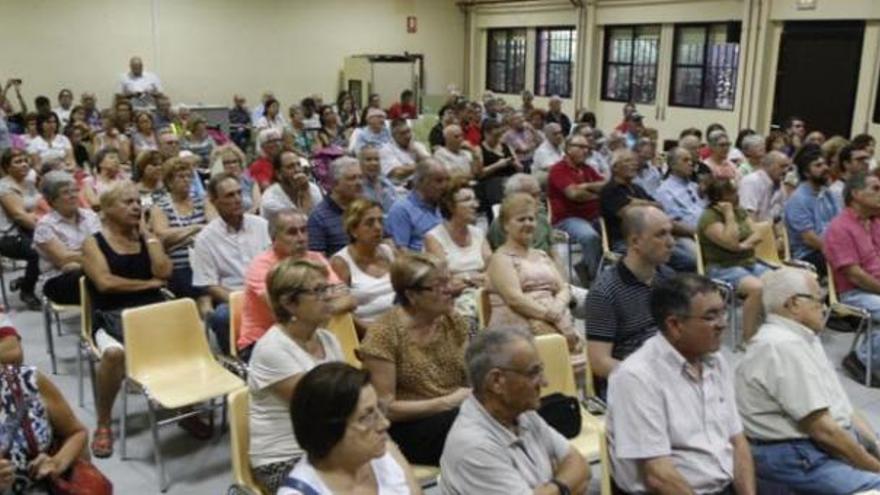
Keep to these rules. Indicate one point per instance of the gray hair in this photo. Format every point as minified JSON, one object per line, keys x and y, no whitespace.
{"x":781,"y":285}
{"x":340,"y":165}
{"x":674,"y":155}
{"x":448,"y":130}
{"x":486,"y":352}
{"x":856,"y":182}
{"x":53,"y":182}
{"x":715,"y":136}
{"x":424,"y":168}
{"x":620,"y":155}
{"x":276,"y":219}
{"x":752,"y":141}
{"x":367,"y":147}
{"x":518,"y":183}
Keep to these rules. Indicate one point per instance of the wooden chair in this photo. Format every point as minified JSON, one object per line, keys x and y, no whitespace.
{"x":239,"y":442}
{"x":767,"y":251}
{"x":866,"y":323}
{"x":167,"y":354}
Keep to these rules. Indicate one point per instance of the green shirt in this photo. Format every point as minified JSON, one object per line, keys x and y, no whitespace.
{"x":542,"y":240}
{"x":713,"y":254}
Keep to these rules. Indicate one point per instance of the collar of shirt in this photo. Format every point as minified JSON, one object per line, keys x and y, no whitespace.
{"x":228,"y":228}
{"x":497,"y":429}
{"x":629,"y":278}
{"x":674,"y":358}
{"x":794,"y":327}
{"x":420,"y":203}
{"x":807,"y":188}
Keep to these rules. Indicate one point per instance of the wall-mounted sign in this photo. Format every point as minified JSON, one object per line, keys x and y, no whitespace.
{"x":411,"y":24}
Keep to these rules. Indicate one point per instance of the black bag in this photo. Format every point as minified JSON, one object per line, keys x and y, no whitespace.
{"x":110,"y":321}
{"x":563,"y":413}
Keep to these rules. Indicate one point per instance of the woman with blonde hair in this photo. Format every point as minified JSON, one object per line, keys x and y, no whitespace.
{"x":298,"y":293}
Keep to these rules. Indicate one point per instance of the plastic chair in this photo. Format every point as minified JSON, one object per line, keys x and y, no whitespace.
{"x":728,"y":291}
{"x":343,"y":327}
{"x":167,"y":354}
{"x":553,"y":350}
{"x":484,"y":308}
{"x":240,"y":441}
{"x":768,"y":251}
{"x":866,"y":323}
{"x":236,"y":302}
{"x":52,"y":311}
{"x":87,"y":348}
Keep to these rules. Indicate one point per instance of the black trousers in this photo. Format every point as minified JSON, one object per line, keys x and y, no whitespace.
{"x":64,"y":288}
{"x":17,"y":245}
{"x":421,"y":440}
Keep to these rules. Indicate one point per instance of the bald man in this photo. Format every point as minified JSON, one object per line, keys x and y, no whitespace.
{"x":759,"y":191}
{"x":139,"y":86}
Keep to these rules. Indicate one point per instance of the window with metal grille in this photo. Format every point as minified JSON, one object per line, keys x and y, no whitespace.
{"x":506,"y":60}
{"x":630,"y":68}
{"x":555,"y":52}
{"x":704,"y":65}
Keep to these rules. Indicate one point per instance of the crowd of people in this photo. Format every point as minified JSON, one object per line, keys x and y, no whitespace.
{"x":328,"y":209}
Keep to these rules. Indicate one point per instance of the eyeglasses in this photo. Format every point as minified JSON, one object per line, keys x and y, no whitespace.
{"x":533,"y":373}
{"x":319,"y":291}
{"x":437,"y":286}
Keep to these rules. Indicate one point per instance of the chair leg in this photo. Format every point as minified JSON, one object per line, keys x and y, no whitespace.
{"x":50,"y":341}
{"x":157,"y":452}
{"x":869,"y":366}
{"x":79,"y":374}
{"x":58,"y":322}
{"x":122,"y":421}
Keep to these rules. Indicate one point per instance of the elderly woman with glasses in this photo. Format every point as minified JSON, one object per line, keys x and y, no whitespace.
{"x":298,"y":293}
{"x":59,"y":236}
{"x":721,"y":166}
{"x":340,"y":423}
{"x":415,"y":355}
{"x":229,"y":158}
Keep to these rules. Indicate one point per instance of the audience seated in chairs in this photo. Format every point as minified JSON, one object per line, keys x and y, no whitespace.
{"x":542,"y":238}
{"x":549,"y":153}
{"x":375,"y":185}
{"x":727,"y":239}
{"x":269,"y":146}
{"x":679,"y":194}
{"x":457,"y":155}
{"x":176,"y":219}
{"x":525,"y":287}
{"x":365,"y":264}
{"x":851,"y":160}
{"x":803,"y":430}
{"x":125,"y":268}
{"x":298,"y":293}
{"x":498,"y":443}
{"x":498,"y":163}
{"x":326,"y":233}
{"x":107,"y":175}
{"x":18,"y":199}
{"x":400,"y":155}
{"x":462,"y":245}
{"x":222,"y":250}
{"x":232,"y":162}
{"x":618,"y":317}
{"x":291,"y":187}
{"x":672,"y":424}
{"x":148,"y":165}
{"x":413,"y":215}
{"x":374,"y":133}
{"x":289,"y":241}
{"x":341,"y":425}
{"x":760,"y":192}
{"x":522,"y":138}
{"x":59,"y":236}
{"x":717,"y":159}
{"x":415,"y":355}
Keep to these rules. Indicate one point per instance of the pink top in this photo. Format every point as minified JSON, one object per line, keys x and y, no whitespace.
{"x":848,"y":242}
{"x":256,"y":316}
{"x":725,"y":170}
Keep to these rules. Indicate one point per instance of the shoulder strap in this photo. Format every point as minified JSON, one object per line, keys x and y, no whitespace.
{"x":299,"y":485}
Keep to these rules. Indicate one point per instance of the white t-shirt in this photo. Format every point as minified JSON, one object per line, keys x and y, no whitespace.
{"x":391,"y":155}
{"x":57,"y":149}
{"x":389,"y":476}
{"x":456,"y":163}
{"x":276,"y":357}
{"x":275,"y":199}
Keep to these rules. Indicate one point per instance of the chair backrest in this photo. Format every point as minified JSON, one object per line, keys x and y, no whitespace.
{"x":766,"y":249}
{"x":786,"y":246}
{"x":85,"y":312}
{"x":164,"y":336}
{"x":240,"y":440}
{"x":553,"y":350}
{"x":701,"y":267}
{"x":236,"y":302}
{"x":832,"y":289}
{"x":484,"y":308}
{"x":603,"y":230}
{"x":343,"y":327}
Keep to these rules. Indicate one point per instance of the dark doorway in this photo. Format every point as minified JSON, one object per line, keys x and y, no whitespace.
{"x":818,"y":73}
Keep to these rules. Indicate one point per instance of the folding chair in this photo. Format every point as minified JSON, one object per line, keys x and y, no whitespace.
{"x":728,"y":292}
{"x":232,"y":361}
{"x":866,"y":323}
{"x":167,"y":354}
{"x":87,"y":348}
{"x":240,"y":441}
{"x":553,"y":350}
{"x":52,"y":311}
{"x":484,"y":308}
{"x":343,"y":328}
{"x":767,"y":251}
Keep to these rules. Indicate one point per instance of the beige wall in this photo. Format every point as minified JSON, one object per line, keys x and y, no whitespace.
{"x":205,"y":50}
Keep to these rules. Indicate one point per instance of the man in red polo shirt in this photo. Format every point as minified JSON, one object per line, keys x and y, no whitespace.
{"x":573,"y":190}
{"x":405,"y":108}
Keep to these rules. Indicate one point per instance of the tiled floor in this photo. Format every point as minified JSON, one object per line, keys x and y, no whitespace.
{"x":203,"y":467}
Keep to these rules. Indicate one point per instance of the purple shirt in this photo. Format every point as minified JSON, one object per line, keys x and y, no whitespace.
{"x":848,"y":242}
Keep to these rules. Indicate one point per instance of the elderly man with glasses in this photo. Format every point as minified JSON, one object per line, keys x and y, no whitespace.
{"x":802,"y":428}
{"x":672,"y":424}
{"x":498,"y":444}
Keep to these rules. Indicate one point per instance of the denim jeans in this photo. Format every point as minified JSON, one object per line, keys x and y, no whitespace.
{"x":804,"y":468}
{"x":871,"y":302}
{"x":734,"y":274}
{"x":219,"y":323}
{"x":583,"y":233}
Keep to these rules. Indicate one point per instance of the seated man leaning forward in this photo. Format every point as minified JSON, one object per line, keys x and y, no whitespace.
{"x":672,"y":423}
{"x":498,"y":443}
{"x":801,"y":426}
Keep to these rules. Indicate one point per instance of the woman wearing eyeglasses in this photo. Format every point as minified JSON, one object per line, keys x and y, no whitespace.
{"x":297,"y":343}
{"x":415,"y":356}
{"x":341,"y":425}
{"x":719,"y":148}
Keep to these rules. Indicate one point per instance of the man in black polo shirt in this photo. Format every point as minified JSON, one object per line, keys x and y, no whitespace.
{"x":620,"y":193}
{"x":618,"y":313}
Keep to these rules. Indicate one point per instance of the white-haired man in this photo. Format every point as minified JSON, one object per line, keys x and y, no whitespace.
{"x":800,"y":423}
{"x":459,"y":156}
{"x":760,"y":193}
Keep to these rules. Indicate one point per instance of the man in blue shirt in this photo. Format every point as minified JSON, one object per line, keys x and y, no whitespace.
{"x":326,"y":233}
{"x":412,"y":216}
{"x":679,"y":195}
{"x":811,"y":207}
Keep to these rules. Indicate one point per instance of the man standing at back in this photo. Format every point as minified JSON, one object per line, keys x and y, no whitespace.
{"x":140,"y":86}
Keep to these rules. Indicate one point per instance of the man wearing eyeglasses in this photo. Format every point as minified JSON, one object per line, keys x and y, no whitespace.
{"x":852,"y":159}
{"x":672,"y":423}
{"x":498,"y":444}
{"x":802,"y":428}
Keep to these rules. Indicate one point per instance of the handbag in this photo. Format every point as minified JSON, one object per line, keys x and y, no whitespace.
{"x":563,"y":413}
{"x":81,"y":478}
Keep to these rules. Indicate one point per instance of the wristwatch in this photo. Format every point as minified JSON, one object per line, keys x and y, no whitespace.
{"x":563,"y":488}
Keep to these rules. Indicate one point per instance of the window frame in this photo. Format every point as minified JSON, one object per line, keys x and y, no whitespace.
{"x":508,"y":52}
{"x":606,"y":63}
{"x":707,"y":27}
{"x":572,"y":29}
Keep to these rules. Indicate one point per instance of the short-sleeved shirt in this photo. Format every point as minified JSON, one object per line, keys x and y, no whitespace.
{"x":276,"y":199}
{"x":661,"y":405}
{"x":392,"y":155}
{"x":256,"y":316}
{"x":456,"y":163}
{"x":326,"y":232}
{"x":546,"y":156}
{"x":383,"y":191}
{"x":409,"y":219}
{"x":275,"y":358}
{"x":758,"y":194}
{"x":261,"y":171}
{"x":220,"y":254}
{"x":618,"y":310}
{"x":71,"y":235}
{"x":681,"y":200}
{"x":649,"y":178}
{"x":613,"y":198}
{"x":422,"y":372}
{"x":483,"y":456}
{"x":375,"y":139}
{"x":808,"y":210}
{"x":56,"y":149}
{"x":29,"y":197}
{"x":389,"y":474}
{"x":785,"y":376}
{"x":849,"y":242}
{"x":717,"y":255}
{"x":562,"y":175}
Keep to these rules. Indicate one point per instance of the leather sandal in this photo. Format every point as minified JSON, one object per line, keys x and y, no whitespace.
{"x":102,"y":442}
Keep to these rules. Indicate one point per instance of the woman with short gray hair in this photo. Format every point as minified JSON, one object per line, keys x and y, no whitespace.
{"x":59,"y":236}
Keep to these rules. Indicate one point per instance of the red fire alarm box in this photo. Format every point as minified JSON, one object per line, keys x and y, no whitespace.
{"x":411,"y":24}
